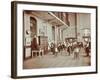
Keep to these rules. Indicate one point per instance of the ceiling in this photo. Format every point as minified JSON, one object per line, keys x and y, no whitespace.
{"x":49,"y":17}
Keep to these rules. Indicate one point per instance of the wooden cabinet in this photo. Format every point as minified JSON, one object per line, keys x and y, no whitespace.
{"x":43,"y":43}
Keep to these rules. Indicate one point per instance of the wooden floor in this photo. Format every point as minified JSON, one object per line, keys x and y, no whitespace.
{"x":61,"y":60}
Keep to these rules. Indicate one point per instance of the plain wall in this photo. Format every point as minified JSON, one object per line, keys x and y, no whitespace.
{"x":70,"y":31}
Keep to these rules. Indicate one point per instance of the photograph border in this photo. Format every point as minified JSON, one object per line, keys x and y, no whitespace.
{"x":14,"y":37}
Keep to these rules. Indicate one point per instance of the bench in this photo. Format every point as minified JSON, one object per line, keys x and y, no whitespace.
{"x":37,"y":52}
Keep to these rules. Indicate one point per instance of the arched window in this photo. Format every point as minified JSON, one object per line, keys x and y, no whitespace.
{"x":33,"y":26}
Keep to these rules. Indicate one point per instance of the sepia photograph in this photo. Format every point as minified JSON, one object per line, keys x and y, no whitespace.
{"x":53,"y":39}
{"x":56,"y":39}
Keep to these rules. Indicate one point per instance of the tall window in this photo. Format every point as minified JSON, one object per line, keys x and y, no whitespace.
{"x":33,"y":25}
{"x":53,"y":33}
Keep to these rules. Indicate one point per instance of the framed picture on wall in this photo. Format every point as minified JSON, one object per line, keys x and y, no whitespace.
{"x":50,"y":39}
